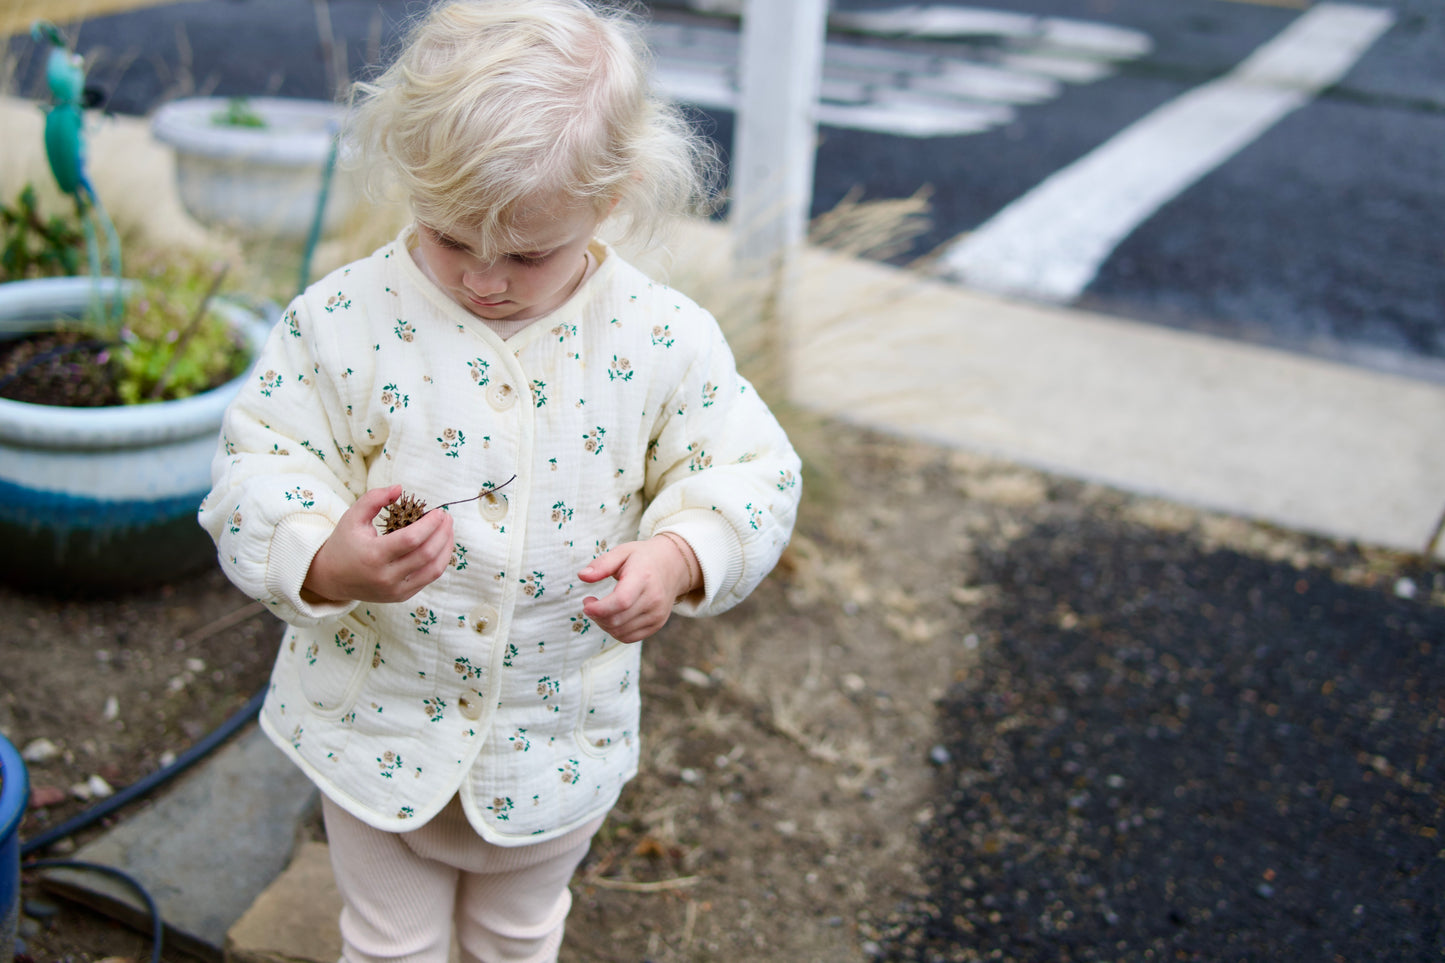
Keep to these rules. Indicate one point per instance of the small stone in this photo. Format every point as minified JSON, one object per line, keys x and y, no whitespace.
{"x":1265,"y":890}
{"x":112,"y":709}
{"x":853,"y":683}
{"x":195,"y":665}
{"x":29,"y":928}
{"x":690,"y":776}
{"x":940,"y":756}
{"x":42,"y":796}
{"x":695,"y":677}
{"x":93,"y":788}
{"x":1406,"y":588}
{"x":40,"y":750}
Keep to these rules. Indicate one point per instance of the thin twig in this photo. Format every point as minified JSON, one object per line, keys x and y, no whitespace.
{"x":463,"y":501}
{"x":190,"y":330}
{"x":1434,"y":539}
{"x":242,"y":614}
{"x":629,"y":886}
{"x":689,"y":924}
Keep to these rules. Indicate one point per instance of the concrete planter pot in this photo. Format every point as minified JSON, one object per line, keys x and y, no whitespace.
{"x":102,"y":499}
{"x":14,"y":795}
{"x":258,"y":181}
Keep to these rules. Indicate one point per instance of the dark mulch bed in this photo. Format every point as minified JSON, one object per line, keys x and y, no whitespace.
{"x":1176,"y":753}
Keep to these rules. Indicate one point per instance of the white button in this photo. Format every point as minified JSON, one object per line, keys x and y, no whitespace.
{"x":501,"y":395}
{"x":484,"y":619}
{"x":471,"y":705}
{"x":493,"y":506}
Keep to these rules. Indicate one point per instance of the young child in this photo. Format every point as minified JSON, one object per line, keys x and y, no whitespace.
{"x":464,"y":690}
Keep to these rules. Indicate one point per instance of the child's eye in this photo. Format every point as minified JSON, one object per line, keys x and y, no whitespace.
{"x":530,"y":257}
{"x":442,"y":240}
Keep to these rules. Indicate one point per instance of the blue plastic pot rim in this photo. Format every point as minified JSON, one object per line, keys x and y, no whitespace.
{"x":15,"y":793}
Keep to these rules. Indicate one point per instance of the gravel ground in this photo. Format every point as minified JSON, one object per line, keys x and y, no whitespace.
{"x":1176,"y":752}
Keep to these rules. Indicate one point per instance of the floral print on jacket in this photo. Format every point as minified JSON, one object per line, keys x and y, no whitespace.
{"x":621,"y":415}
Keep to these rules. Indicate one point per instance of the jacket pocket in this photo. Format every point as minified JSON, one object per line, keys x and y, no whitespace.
{"x":611,"y":700}
{"x":333,"y":665}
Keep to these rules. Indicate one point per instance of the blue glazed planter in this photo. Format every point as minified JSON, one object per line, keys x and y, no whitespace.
{"x":103,"y":499}
{"x":14,"y":794}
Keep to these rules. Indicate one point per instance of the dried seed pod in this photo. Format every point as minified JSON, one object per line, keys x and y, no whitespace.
{"x":402,"y":512}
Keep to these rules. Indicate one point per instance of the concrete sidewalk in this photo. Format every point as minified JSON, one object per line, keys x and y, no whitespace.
{"x":1299,"y":442}
{"x":1305,"y":444}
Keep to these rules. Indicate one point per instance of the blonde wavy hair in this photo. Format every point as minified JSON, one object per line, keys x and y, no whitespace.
{"x":495,"y":106}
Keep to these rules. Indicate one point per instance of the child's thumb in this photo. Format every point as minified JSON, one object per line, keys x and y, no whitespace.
{"x":602,"y":567}
{"x":376,"y":499}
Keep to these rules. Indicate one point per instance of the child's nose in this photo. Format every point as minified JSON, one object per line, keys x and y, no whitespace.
{"x":483,"y":280}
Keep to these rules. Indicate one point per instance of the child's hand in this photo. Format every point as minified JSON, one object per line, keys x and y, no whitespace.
{"x":359,"y":563}
{"x":651,"y":576}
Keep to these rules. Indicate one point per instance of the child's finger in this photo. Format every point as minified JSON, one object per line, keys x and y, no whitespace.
{"x":431,"y":551}
{"x":605,"y":565}
{"x":370,"y":504}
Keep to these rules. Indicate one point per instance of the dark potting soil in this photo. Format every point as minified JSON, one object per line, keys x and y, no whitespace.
{"x":1175,"y":753}
{"x":68,"y":368}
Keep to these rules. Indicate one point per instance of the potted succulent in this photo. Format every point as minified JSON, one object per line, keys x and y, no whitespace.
{"x":260,"y":166}
{"x":111,"y":397}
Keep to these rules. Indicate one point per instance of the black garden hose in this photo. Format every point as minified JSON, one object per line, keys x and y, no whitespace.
{"x":127,"y":795}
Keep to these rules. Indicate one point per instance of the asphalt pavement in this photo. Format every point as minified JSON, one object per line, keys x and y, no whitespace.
{"x":1177,"y":752}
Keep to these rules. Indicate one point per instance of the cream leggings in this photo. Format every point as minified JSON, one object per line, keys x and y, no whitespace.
{"x":404,"y":892}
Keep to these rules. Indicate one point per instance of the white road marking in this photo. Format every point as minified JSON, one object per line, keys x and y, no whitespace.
{"x":1050,"y":243}
{"x":980,"y":82}
{"x":1060,"y":66}
{"x":909,"y":91}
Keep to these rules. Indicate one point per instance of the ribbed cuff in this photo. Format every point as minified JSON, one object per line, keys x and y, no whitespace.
{"x":718,"y":551}
{"x":295,"y":543}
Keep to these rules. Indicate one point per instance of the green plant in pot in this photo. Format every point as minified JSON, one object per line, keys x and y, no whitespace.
{"x":238,"y":112}
{"x":110,"y":404}
{"x":166,"y":341}
{"x":111,"y":390}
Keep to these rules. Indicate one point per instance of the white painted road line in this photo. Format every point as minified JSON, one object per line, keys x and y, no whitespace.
{"x":1050,"y":243}
{"x":912,"y":92}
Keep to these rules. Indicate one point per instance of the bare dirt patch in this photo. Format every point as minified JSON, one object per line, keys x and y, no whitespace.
{"x":792,"y":747}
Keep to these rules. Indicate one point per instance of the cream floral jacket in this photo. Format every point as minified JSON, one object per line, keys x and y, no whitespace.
{"x":621,"y":415}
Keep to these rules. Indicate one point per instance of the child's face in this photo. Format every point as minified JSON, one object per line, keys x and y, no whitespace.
{"x":526,"y":283}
